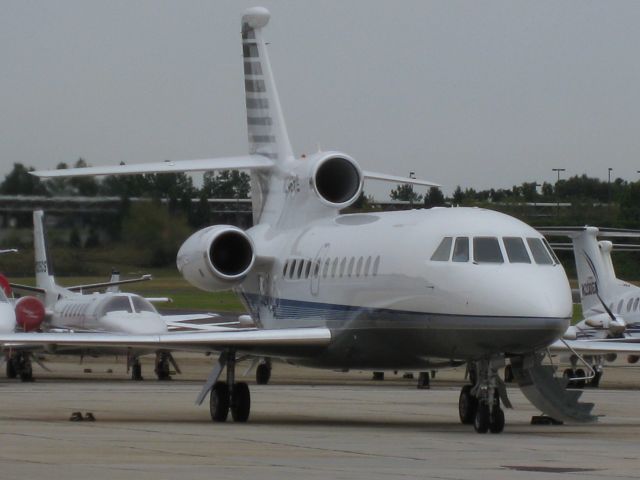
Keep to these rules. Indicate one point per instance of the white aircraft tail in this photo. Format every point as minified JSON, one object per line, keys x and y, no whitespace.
{"x":596,"y":275}
{"x":44,"y":270}
{"x":115,"y":278}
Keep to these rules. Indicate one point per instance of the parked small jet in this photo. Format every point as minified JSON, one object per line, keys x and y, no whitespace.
{"x":610,"y":306}
{"x":70,"y":309}
{"x":407,"y":290}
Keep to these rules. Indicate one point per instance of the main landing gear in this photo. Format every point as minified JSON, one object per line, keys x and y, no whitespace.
{"x":479,"y":403}
{"x":19,"y":365}
{"x":263,"y":372}
{"x":230,"y":396}
{"x":164,"y":361}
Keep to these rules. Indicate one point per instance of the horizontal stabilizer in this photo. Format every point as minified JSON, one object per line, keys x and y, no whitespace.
{"x":27,"y":288}
{"x":250,"y":162}
{"x":94,"y":286}
{"x":394,"y":179}
{"x":601,"y":232}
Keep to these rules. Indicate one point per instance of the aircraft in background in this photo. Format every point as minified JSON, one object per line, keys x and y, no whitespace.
{"x":7,"y":312}
{"x":70,"y":309}
{"x":610,"y":306}
{"x":404,"y":290}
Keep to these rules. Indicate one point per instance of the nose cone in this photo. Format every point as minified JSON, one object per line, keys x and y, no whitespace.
{"x":7,"y":318}
{"x":143,"y":323}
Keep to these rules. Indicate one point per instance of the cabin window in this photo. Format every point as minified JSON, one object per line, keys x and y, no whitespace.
{"x":367,"y":265}
{"x":461,"y":250}
{"x":359,"y":267}
{"x":307,"y":268}
{"x":285,"y":268}
{"x":343,"y":264}
{"x":292,"y":268}
{"x":376,"y":266}
{"x":443,"y":252}
{"x":487,"y":250}
{"x":300,"y":267}
{"x":539,"y":251}
{"x":316,"y":268}
{"x":516,"y":251}
{"x":635,"y":304}
{"x":351,"y":262}
{"x":620,"y":306}
{"x":629,"y":304}
{"x":325,"y":270}
{"x":334,"y":267}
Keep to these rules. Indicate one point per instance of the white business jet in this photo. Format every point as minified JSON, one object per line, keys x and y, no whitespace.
{"x":610,"y":306}
{"x":407,"y":290}
{"x":72,"y":309}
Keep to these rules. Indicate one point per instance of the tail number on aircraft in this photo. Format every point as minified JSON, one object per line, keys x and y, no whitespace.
{"x":589,"y":288}
{"x":41,"y":266}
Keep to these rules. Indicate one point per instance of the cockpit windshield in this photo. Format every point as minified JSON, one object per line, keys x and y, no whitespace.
{"x":142,"y":305}
{"x":117,"y":304}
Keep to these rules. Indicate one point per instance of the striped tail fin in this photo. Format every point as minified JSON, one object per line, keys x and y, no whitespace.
{"x":265,"y":122}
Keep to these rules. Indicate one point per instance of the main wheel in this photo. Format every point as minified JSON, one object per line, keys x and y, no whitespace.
{"x":568,"y":375}
{"x":263,"y":374}
{"x":595,"y":381}
{"x":467,"y":405}
{"x":11,"y":369}
{"x":240,"y":402}
{"x":496,"y":420}
{"x":136,"y":372}
{"x":219,"y":402}
{"x":163,"y":370}
{"x":581,"y":382}
{"x":508,"y":374}
{"x":481,"y":420}
{"x":26,"y":372}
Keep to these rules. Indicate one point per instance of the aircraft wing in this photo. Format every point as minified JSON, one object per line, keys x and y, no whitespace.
{"x":249,"y":162}
{"x":596,"y":347}
{"x":295,"y":342}
{"x":27,"y":288}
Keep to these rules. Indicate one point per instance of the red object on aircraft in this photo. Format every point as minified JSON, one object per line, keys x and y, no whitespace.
{"x":29,"y":313}
{"x":4,"y":284}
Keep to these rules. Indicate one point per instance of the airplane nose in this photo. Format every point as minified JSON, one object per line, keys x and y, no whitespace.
{"x":136,"y":323}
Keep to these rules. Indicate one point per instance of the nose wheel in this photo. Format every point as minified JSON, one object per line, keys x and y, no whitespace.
{"x":479,"y":404}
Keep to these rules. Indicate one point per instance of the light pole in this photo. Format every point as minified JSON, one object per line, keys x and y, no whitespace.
{"x":609,"y":185}
{"x":411,"y":175}
{"x":558,"y":170}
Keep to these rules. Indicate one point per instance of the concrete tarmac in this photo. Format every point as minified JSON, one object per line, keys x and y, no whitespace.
{"x":304,"y":424}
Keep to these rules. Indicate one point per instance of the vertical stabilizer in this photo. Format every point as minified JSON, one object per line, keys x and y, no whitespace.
{"x":595,"y":274}
{"x":265,"y":121}
{"x":266,"y":129}
{"x":44,"y":270}
{"x":115,"y":277}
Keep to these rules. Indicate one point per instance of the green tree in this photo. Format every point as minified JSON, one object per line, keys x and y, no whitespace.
{"x":158,"y":234}
{"x":434,"y":198}
{"x":405,"y":192}
{"x":226,"y":184}
{"x":20,"y":182}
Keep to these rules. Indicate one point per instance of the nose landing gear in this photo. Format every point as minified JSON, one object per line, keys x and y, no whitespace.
{"x":479,"y":403}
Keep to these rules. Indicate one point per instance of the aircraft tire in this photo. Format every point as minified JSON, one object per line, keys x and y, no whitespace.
{"x":496,"y":420}
{"x":508,"y":374}
{"x":240,"y":402}
{"x":136,"y":372}
{"x":580,"y":374}
{"x":481,"y":420}
{"x":263,"y":374}
{"x":219,"y":402}
{"x":11,"y":369}
{"x":467,"y":405}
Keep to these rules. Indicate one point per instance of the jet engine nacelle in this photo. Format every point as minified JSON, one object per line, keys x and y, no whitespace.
{"x":30,"y":313}
{"x":216,"y":258}
{"x":602,"y":320}
{"x":336,"y":178}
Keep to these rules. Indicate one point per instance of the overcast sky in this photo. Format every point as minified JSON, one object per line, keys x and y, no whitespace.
{"x":481,"y":94}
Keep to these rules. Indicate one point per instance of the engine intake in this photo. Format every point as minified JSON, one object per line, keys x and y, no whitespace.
{"x":216,"y":258}
{"x":337,"y":180}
